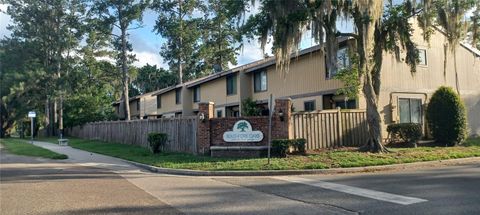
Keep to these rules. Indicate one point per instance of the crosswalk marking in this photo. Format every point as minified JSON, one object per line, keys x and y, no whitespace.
{"x":378,"y":195}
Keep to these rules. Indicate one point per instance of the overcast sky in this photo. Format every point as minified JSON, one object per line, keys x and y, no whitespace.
{"x":146,"y":44}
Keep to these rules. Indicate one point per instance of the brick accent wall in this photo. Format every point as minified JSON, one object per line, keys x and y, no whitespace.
{"x":203,"y":130}
{"x":210,"y":130}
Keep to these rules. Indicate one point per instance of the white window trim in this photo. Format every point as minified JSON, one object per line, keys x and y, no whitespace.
{"x":426,"y":57}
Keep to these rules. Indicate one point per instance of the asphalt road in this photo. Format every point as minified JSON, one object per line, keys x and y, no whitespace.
{"x":94,"y":184}
{"x":40,"y":186}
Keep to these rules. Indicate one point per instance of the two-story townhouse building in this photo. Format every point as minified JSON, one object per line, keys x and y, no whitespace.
{"x":141,"y":107}
{"x":311,"y":86}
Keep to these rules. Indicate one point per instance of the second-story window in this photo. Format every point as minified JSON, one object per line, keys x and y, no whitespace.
{"x":260,"y":81}
{"x":232,"y":84}
{"x":178,"y":96}
{"x":196,"y":94}
{"x":422,"y":56}
{"x":343,"y":61}
{"x":159,"y":101}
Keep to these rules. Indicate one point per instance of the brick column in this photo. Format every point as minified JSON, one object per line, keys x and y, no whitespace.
{"x":281,"y":119}
{"x":203,"y":129}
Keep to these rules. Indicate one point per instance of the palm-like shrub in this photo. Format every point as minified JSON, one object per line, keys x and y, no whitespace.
{"x":157,"y":141}
{"x":446,"y":117}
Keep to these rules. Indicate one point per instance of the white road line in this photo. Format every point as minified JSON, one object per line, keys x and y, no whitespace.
{"x":382,"y":196}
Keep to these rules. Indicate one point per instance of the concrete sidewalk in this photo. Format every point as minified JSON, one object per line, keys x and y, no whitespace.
{"x":90,"y":159}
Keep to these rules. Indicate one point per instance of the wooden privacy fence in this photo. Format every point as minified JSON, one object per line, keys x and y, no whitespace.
{"x":182,"y":132}
{"x":332,"y":128}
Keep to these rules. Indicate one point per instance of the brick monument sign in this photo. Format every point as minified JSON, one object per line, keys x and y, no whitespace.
{"x":240,"y":136}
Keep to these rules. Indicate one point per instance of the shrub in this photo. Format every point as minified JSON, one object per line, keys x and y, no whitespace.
{"x":446,"y":117}
{"x":405,"y":132}
{"x":280,"y":147}
{"x":156,"y":140}
{"x":299,"y":145}
{"x":249,"y":108}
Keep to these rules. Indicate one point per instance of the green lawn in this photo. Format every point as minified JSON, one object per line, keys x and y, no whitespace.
{"x":22,"y":147}
{"x":320,"y":160}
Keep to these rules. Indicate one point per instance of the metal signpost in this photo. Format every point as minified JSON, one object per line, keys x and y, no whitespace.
{"x":270,"y":108}
{"x":31,"y":115}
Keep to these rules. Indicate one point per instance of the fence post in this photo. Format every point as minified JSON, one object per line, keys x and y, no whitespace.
{"x":339,"y":127}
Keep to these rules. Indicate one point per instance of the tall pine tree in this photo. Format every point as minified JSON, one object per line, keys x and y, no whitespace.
{"x":120,"y":15}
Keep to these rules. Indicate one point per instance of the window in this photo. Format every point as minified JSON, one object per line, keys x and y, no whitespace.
{"x":343,"y":61}
{"x":349,"y":104}
{"x":260,"y":81}
{"x":410,"y":110}
{"x":232,"y":84}
{"x":138,"y":105}
{"x":232,"y":111}
{"x":422,"y":57}
{"x":219,"y":113}
{"x":178,"y":96}
{"x":159,"y":101}
{"x":196,"y":94}
{"x":309,"y":105}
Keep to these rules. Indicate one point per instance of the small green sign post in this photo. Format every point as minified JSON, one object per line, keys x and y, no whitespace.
{"x":32,"y":116}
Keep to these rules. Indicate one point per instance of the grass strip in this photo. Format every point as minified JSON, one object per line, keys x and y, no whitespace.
{"x":318,"y":160}
{"x":22,"y":147}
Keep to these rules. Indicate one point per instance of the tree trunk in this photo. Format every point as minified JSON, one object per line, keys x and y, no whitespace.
{"x":180,"y":57}
{"x":457,"y":83}
{"x":47,"y":118}
{"x":2,"y":114}
{"x":60,"y":105}
{"x":445,"y":52}
{"x":374,"y":143}
{"x":371,"y":92}
{"x":55,"y":117}
{"x":60,"y":116}
{"x":125,"y":71}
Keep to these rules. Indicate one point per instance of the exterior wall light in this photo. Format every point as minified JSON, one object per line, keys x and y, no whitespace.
{"x":281,"y":115}
{"x":201,"y":116}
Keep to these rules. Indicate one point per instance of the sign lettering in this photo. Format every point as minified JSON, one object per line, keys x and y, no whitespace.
{"x":242,"y":132}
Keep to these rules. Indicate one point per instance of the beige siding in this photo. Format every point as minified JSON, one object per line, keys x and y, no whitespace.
{"x":306,"y":75}
{"x":398,"y":82}
{"x":168,"y":104}
{"x":148,"y":105}
{"x":298,"y":104}
{"x":216,"y":91}
{"x":134,"y":113}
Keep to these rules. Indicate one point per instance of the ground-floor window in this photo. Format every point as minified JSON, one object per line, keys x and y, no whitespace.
{"x":219,"y":113}
{"x":349,"y":104}
{"x":410,"y":110}
{"x":309,"y":105}
{"x":232,"y":111}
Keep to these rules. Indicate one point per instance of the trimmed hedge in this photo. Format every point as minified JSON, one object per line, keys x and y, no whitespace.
{"x":157,"y":140}
{"x":446,"y":117}
{"x":405,"y":132}
{"x":280,"y":147}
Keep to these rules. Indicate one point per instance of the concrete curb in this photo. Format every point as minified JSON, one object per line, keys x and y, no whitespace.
{"x":409,"y":166}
